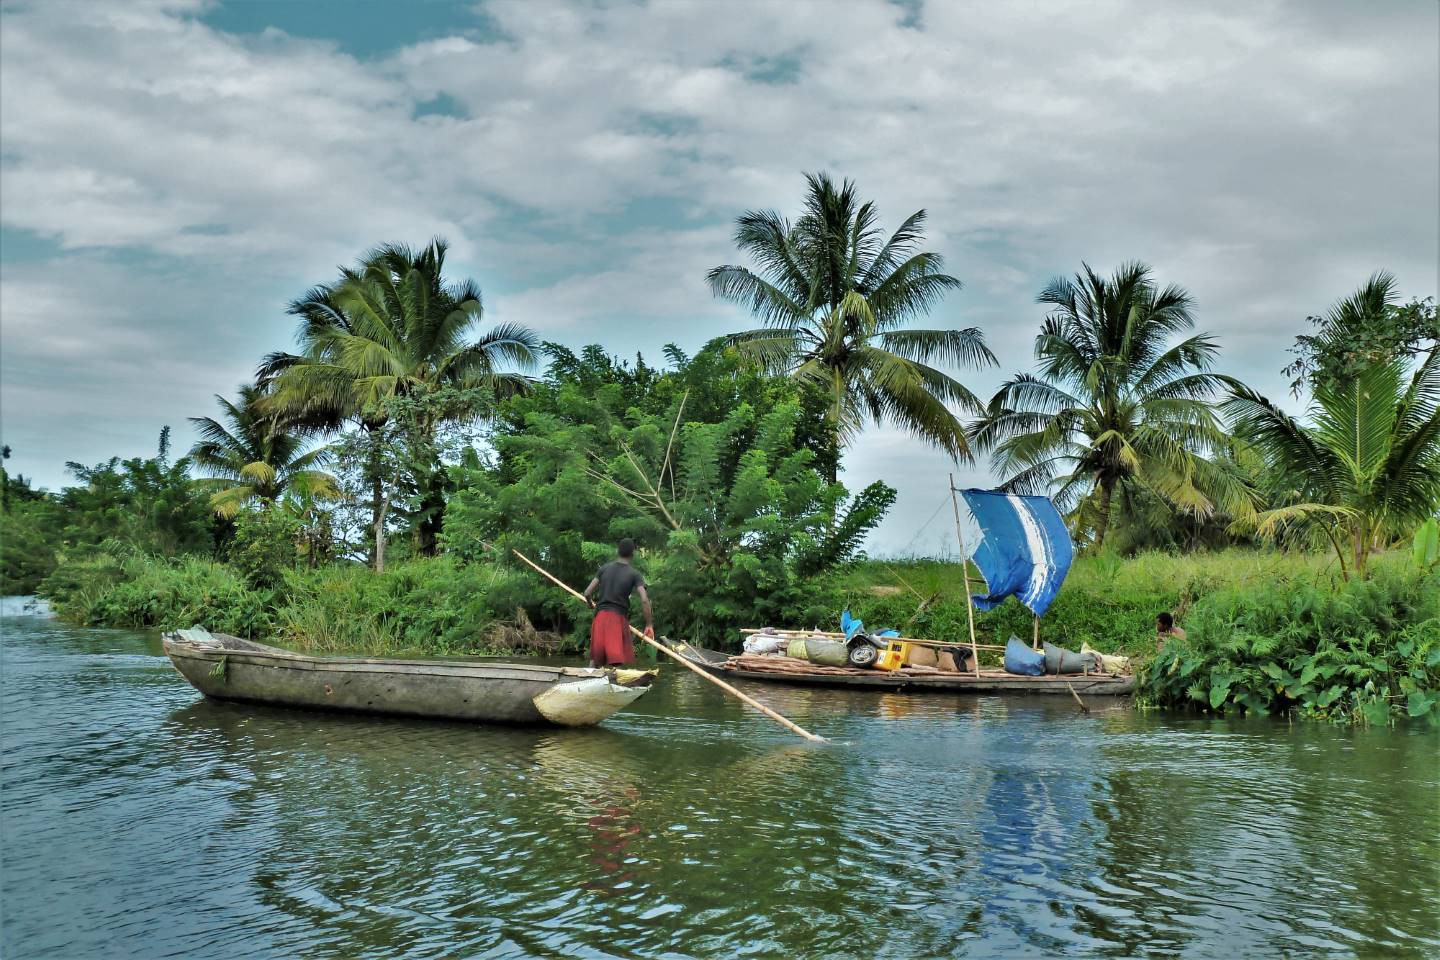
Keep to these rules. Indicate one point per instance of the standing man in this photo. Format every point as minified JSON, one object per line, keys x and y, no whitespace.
{"x":610,"y":642}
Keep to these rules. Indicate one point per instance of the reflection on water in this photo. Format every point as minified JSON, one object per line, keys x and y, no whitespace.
{"x":142,"y":821}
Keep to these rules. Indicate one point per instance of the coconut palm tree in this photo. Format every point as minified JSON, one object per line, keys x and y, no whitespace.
{"x":1114,"y":403}
{"x":256,"y":455}
{"x":833,"y":294}
{"x":396,"y":328}
{"x":1366,"y":465}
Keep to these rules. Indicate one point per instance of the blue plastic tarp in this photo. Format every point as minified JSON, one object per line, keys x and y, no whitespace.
{"x":1020,"y":544}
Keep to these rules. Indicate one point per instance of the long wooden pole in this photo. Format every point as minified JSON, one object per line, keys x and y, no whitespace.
{"x":965,"y":570}
{"x":1035,"y":639}
{"x":784,"y":722}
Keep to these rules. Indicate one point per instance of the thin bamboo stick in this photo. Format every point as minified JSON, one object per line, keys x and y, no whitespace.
{"x":743,"y":698}
{"x":1035,"y":642}
{"x":965,"y":570}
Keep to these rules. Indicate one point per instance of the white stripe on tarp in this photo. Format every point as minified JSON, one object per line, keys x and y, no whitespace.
{"x":970,"y":528}
{"x":1035,"y":540}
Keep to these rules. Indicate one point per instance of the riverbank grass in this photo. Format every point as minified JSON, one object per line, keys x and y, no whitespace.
{"x":1267,"y":632}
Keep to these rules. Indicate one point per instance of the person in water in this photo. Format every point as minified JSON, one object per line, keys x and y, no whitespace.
{"x":610,"y":642}
{"x":1165,"y":629}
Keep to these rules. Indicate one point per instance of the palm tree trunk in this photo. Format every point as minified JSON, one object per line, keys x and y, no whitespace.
{"x":432,"y":518}
{"x":1102,"y":523}
{"x":1361,"y":534}
{"x":377,"y":499}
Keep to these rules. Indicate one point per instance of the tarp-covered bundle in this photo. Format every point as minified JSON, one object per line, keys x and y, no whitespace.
{"x":1020,"y":545}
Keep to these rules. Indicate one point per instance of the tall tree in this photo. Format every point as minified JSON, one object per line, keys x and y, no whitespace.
{"x":834,"y":294}
{"x":256,"y":455}
{"x":1114,"y":403}
{"x":1366,"y":465}
{"x":394,"y":327}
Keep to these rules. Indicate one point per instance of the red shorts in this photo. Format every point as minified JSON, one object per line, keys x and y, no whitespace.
{"x":610,"y":641}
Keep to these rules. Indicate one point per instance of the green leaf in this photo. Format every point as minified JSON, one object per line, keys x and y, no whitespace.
{"x":1218,"y":693}
{"x":1426,"y":550}
{"x":1329,"y":696}
{"x":1376,"y":712}
{"x":1420,"y":703}
{"x":1274,"y":671}
{"x":1253,"y":703}
{"x":1432,"y":659}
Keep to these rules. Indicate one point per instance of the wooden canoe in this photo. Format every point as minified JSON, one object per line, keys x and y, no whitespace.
{"x":788,"y":670}
{"x":229,"y":668}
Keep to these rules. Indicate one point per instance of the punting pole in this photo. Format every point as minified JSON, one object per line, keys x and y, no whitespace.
{"x":965,"y":569}
{"x":1035,"y":642}
{"x":787,"y":724}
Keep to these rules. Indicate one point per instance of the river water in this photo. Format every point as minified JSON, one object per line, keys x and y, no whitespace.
{"x":140,"y":821}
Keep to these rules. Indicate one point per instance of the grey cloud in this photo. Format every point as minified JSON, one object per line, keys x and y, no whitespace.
{"x":1267,"y":156}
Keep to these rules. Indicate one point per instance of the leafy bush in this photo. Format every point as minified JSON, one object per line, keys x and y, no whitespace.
{"x":28,"y":532}
{"x":710,"y":467}
{"x":116,"y":587}
{"x":1363,"y":653}
{"x":432,"y":606}
{"x":264,"y":548}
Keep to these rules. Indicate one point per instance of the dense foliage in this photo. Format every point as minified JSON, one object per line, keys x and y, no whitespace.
{"x":834,"y":294}
{"x":1360,"y":653}
{"x":710,"y":466}
{"x":1365,"y":469}
{"x":367,"y":492}
{"x":1118,"y":405}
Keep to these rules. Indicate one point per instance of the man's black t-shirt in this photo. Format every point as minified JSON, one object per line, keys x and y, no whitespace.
{"x":617,"y":581}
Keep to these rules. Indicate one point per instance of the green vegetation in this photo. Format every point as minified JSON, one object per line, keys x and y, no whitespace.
{"x":833,"y":294}
{"x":257,"y":459}
{"x":388,"y":348}
{"x":1115,"y":407}
{"x":1365,"y":470}
{"x":366,"y":492}
{"x":1362,"y":652}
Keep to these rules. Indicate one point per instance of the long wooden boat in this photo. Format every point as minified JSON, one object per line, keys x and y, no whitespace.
{"x":773,"y":669}
{"x":229,"y":668}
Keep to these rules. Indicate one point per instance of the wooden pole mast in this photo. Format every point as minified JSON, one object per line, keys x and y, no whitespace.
{"x":965,"y":569}
{"x":787,"y":724}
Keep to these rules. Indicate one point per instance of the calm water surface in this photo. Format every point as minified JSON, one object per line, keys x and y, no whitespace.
{"x":140,"y":821}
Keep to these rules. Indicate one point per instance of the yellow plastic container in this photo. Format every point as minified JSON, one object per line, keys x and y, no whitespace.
{"x":893,"y":657}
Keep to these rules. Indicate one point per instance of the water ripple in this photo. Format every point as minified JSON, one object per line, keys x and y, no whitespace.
{"x":141,"y":821}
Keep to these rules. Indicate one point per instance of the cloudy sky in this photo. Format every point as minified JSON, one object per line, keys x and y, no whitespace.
{"x":172,"y":173}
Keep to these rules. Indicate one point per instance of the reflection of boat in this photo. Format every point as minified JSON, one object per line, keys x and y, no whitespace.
{"x":789,"y":670}
{"x":229,"y":668}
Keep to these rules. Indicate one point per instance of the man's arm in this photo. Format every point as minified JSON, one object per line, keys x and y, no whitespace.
{"x":594,"y":585}
{"x":649,"y":614}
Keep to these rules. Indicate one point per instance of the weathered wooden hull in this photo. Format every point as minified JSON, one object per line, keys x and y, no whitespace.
{"x":234,"y":669}
{"x":989,"y":682}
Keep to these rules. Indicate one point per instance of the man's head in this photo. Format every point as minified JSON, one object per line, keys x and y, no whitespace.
{"x":1164,"y":622}
{"x":625,"y":548}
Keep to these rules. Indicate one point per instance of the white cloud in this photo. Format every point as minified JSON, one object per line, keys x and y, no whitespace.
{"x":1267,"y":156}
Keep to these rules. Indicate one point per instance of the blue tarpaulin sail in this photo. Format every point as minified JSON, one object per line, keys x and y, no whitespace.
{"x":1020,"y":545}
